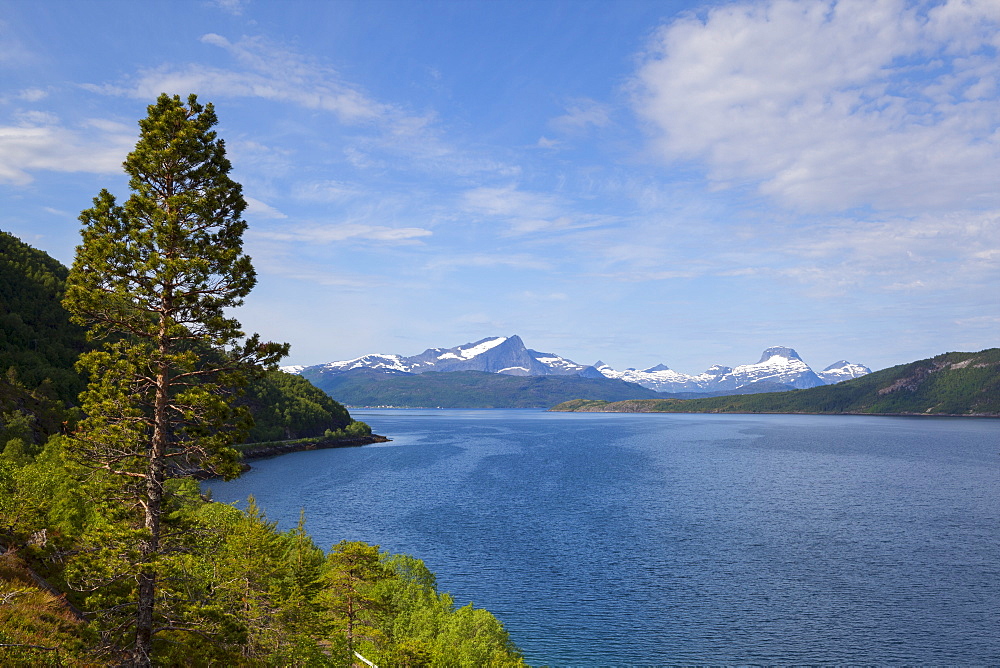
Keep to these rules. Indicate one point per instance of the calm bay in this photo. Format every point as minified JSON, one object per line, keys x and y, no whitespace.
{"x":615,"y":539}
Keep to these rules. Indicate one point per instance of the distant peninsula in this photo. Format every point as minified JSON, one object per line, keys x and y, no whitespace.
{"x":951,"y":384}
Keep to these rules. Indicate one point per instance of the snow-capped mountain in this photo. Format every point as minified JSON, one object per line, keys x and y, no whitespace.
{"x":778,"y":367}
{"x":501,"y":354}
{"x":842,"y":370}
{"x":660,"y":377}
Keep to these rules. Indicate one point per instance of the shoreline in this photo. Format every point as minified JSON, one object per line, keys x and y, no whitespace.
{"x":264,"y":450}
{"x":252,"y":451}
{"x":989,"y":416}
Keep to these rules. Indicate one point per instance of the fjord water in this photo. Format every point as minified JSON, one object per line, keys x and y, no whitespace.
{"x":612,"y":539}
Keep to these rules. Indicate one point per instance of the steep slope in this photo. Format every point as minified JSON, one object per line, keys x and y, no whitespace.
{"x":37,"y":339}
{"x":949,"y":384}
{"x":286,"y":406}
{"x":39,"y":346}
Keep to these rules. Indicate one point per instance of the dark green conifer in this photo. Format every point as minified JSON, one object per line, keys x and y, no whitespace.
{"x":154,"y":280}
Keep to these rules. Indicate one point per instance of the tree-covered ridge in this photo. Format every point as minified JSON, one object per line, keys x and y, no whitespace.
{"x":37,"y":339}
{"x":39,"y":348}
{"x":950,"y":384}
{"x":286,"y":406}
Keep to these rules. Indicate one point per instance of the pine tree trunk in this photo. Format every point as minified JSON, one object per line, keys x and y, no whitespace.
{"x":153,"y":508}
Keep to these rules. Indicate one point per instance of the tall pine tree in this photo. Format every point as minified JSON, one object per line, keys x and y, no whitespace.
{"x":153,"y":280}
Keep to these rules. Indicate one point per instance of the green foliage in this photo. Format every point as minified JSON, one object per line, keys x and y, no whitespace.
{"x":468,"y":389}
{"x":354,"y":607}
{"x":355,"y":429}
{"x":154,"y":280}
{"x":428,"y":630}
{"x":949,"y":384}
{"x":238,"y":592}
{"x":286,"y":406}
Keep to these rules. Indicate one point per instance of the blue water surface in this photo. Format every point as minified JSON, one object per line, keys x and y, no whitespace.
{"x":612,"y":539}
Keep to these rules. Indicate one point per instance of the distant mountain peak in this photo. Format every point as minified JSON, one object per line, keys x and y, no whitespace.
{"x":658,"y":367}
{"x":779,"y":351}
{"x":843,"y":370}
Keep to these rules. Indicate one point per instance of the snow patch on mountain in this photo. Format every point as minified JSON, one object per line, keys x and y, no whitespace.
{"x":660,"y":377}
{"x":481,"y":347}
{"x":373,"y":361}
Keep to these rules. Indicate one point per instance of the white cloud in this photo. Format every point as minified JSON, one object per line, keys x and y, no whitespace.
{"x":266,"y":70}
{"x":13,"y":53}
{"x":509,"y":201}
{"x":930,"y":253}
{"x":42,"y":144}
{"x":832,"y":105}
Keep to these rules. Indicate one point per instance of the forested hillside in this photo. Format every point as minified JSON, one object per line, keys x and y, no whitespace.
{"x":949,"y":384}
{"x":39,"y":347}
{"x":238,"y":592}
{"x":235,"y":590}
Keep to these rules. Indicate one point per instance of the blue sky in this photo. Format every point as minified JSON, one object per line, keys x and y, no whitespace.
{"x":636,"y":182}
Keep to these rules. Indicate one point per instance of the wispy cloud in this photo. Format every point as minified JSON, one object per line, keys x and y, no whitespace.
{"x":268,"y":71}
{"x":527,"y":212}
{"x":481,"y":260}
{"x":258,"y":209}
{"x":326,"y":234}
{"x":263,"y":69}
{"x":41,"y":143}
{"x":582,"y":114}
{"x":13,"y":52}
{"x":326,"y":191}
{"x":234,"y":7}
{"x":832,"y":105}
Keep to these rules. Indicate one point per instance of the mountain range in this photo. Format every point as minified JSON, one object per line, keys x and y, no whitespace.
{"x":957,"y":383}
{"x":779,"y":368}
